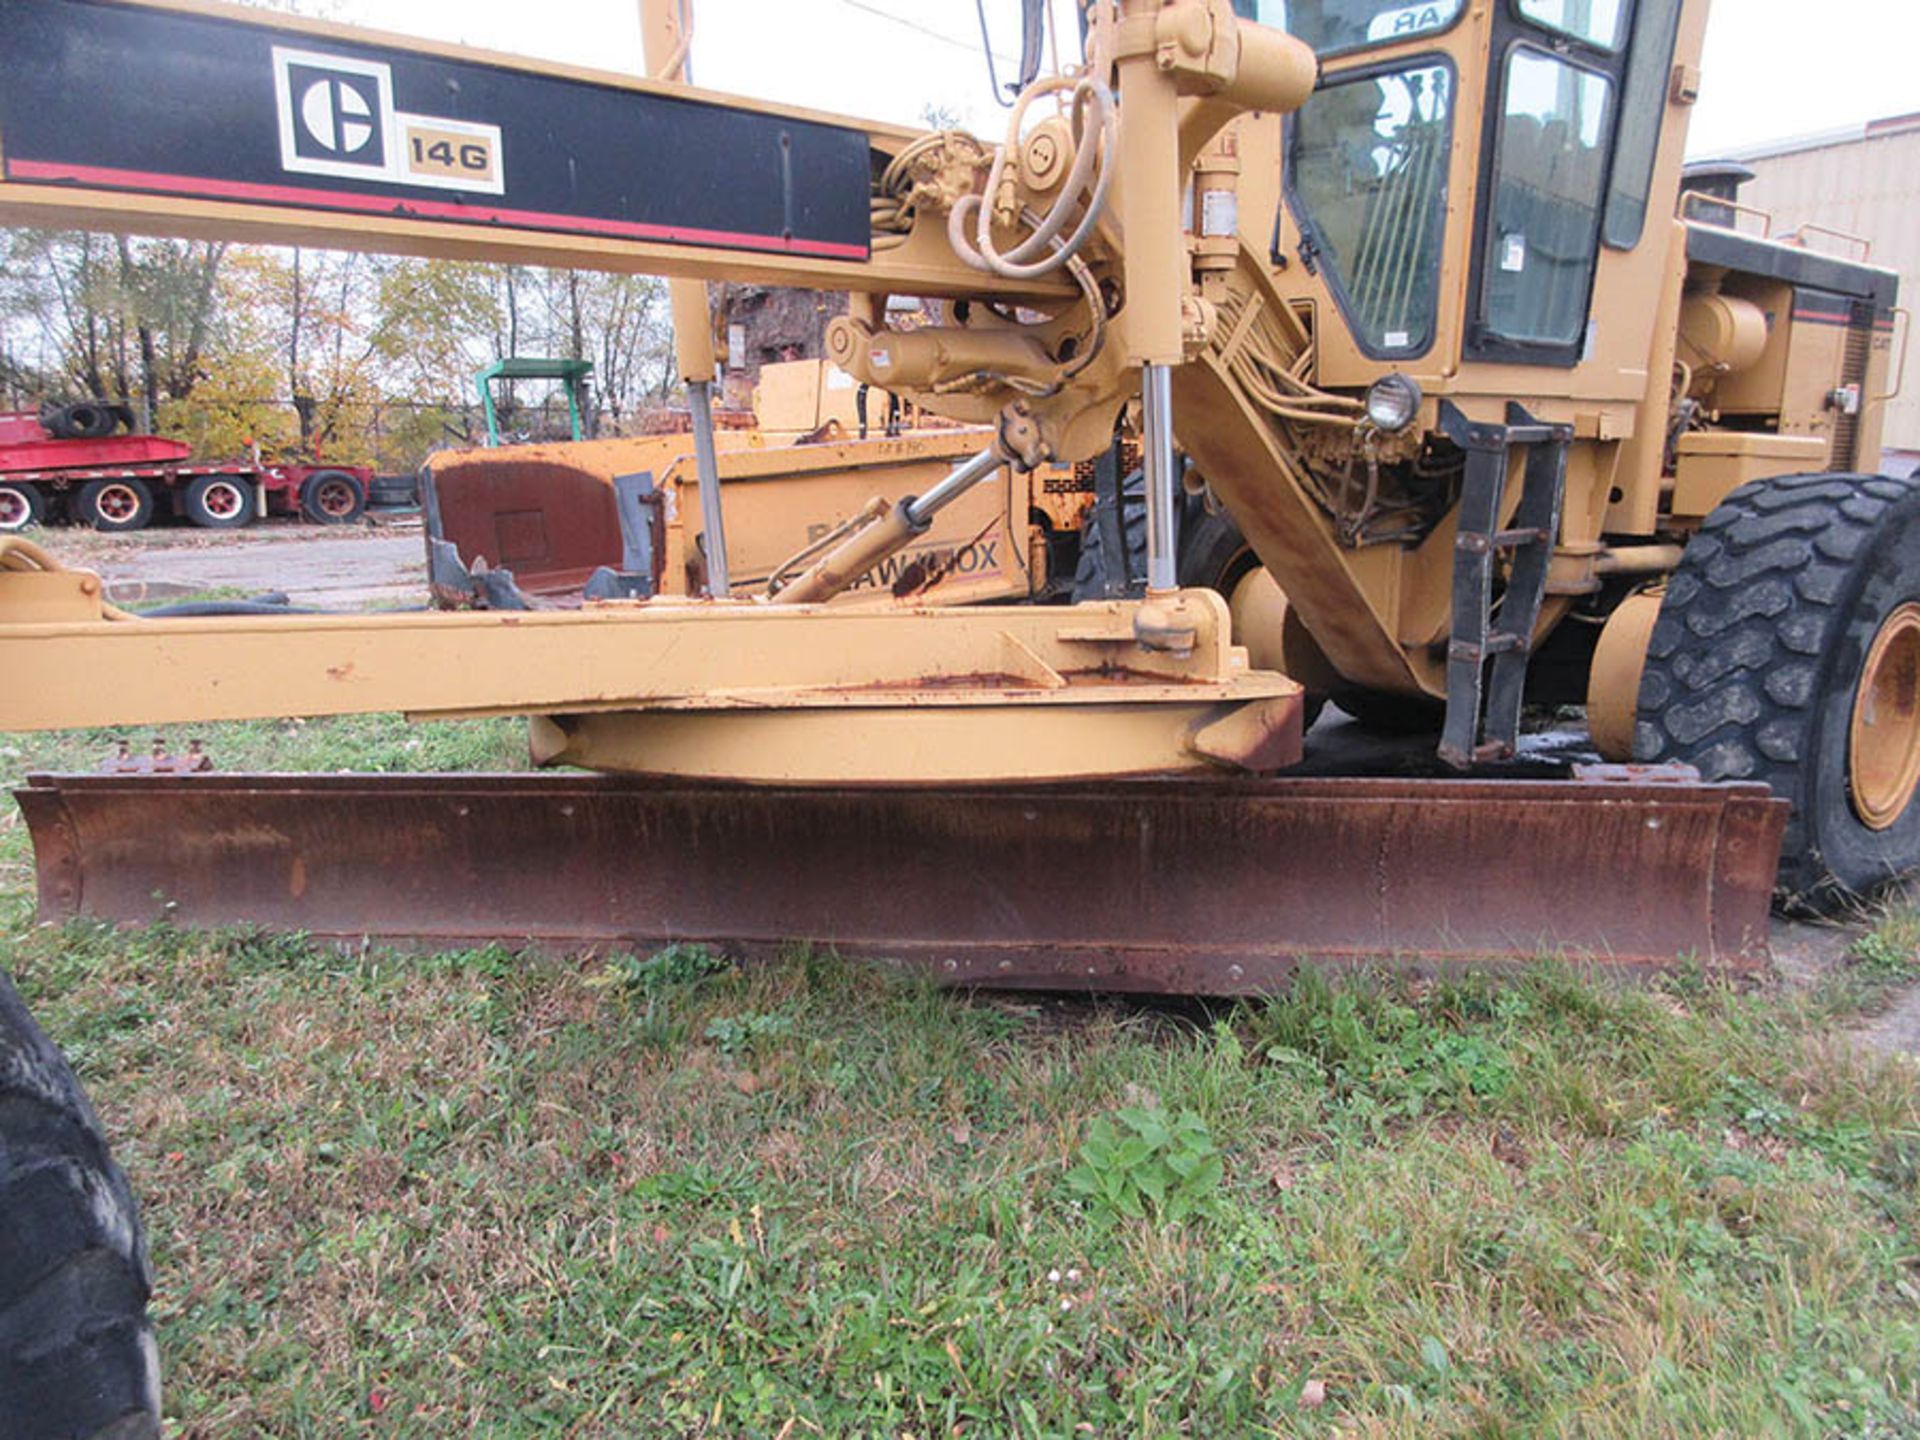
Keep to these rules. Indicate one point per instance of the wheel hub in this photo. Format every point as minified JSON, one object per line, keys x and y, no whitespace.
{"x":335,"y":498}
{"x":223,"y":500}
{"x":14,"y":511}
{"x":117,"y":502}
{"x":1884,"y":763}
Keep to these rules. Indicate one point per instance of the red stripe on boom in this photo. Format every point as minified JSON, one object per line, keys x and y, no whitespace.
{"x":421,"y":209}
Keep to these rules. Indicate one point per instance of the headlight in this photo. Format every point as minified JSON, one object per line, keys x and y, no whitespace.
{"x":1393,"y":403}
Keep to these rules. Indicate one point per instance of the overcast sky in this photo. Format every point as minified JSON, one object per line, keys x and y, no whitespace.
{"x":1774,"y":68}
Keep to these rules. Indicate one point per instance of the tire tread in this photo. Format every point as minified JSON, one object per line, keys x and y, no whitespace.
{"x":1737,"y":666}
{"x":77,"y":1355}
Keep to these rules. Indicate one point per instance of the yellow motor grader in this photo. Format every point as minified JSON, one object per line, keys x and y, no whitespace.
{"x":1449,"y":400}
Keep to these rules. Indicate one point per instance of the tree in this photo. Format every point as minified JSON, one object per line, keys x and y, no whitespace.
{"x":117,"y":319}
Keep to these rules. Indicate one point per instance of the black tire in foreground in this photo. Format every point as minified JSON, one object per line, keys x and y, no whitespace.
{"x":1788,"y":650}
{"x":77,"y":1359}
{"x":115,"y":505}
{"x":333,"y":497}
{"x":21,"y":505}
{"x":219,"y":502}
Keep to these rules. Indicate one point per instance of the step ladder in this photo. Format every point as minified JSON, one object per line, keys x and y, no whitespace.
{"x":1489,"y":650}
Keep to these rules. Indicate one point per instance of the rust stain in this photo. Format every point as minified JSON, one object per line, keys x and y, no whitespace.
{"x":1203,"y":887}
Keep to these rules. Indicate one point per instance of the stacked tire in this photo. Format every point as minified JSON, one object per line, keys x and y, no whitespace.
{"x":85,"y":420}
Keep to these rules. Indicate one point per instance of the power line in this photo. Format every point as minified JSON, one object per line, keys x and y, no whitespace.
{"x":967,"y":45}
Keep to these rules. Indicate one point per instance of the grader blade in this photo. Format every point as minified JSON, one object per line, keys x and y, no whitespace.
{"x":1218,"y":887}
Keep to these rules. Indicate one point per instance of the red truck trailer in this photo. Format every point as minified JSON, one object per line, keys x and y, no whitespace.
{"x":73,"y":463}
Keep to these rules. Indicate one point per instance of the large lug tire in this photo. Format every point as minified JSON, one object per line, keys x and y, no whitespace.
{"x":21,"y":505}
{"x":219,"y":502}
{"x":77,"y":1357}
{"x":115,"y":505}
{"x":1098,"y":574}
{"x":1214,"y":555}
{"x":1788,"y":650}
{"x":333,"y":497}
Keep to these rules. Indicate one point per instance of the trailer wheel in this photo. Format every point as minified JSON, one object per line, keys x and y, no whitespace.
{"x":77,"y":1357}
{"x":1788,"y":650}
{"x":21,"y":505}
{"x":333,"y":497}
{"x":219,"y":502}
{"x":125,"y":504}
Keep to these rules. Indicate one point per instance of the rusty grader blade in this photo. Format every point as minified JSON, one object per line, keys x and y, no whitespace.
{"x":1187,"y":887}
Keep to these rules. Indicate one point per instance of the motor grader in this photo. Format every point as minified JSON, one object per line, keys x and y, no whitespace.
{"x":1467,"y":408}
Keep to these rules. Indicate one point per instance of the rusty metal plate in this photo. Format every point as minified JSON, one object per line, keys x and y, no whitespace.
{"x":1193,"y":887}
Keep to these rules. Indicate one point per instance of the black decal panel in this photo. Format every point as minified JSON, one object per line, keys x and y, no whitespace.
{"x":118,"y":97}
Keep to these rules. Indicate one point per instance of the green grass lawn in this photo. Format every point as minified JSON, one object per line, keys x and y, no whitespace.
{"x":664,"y":1196}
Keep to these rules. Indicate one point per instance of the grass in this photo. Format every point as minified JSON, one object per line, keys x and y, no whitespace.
{"x":659,"y":1195}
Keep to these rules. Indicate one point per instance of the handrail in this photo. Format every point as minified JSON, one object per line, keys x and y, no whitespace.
{"x":1764,"y":216}
{"x":1906,"y":347}
{"x":1798,"y":238}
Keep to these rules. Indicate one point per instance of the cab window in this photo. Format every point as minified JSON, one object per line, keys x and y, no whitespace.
{"x":1367,"y":167}
{"x":1643,"y":109}
{"x":1549,"y":177}
{"x":1592,"y":22}
{"x":1333,"y":26}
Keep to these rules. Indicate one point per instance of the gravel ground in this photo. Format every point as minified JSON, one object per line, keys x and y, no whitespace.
{"x":349,"y":568}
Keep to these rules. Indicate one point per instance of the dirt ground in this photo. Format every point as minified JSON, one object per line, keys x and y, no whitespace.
{"x":381,"y":565}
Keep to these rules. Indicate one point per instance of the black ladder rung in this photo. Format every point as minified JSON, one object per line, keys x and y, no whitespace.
{"x":1524,"y":435}
{"x":1499,"y":642}
{"x":1515,"y":539}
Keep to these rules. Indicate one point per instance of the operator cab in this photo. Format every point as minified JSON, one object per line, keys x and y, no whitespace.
{"x":1575,"y":97}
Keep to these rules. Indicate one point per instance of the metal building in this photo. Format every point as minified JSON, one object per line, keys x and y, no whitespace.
{"x":1855,"y":191}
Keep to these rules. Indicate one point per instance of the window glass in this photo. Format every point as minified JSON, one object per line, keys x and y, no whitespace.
{"x":1643,"y":108}
{"x":1595,"y":21}
{"x":1549,"y":168}
{"x":1368,"y":162}
{"x":1331,"y":25}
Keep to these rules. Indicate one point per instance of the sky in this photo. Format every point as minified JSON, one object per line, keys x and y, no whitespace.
{"x":1774,"y":69}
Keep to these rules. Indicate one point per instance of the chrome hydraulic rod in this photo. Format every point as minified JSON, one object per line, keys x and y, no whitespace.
{"x":707,"y":465}
{"x":1156,"y":389}
{"x":969,"y":473}
{"x":890,"y":530}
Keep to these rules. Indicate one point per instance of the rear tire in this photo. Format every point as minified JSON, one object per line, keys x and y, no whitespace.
{"x":1215,"y":555}
{"x":333,"y":497}
{"x":1798,"y":594}
{"x":115,"y":505}
{"x":77,"y":1357}
{"x":219,"y":502}
{"x":21,"y":505}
